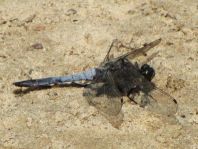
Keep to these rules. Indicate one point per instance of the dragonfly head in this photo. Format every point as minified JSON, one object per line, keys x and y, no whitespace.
{"x":147,"y":71}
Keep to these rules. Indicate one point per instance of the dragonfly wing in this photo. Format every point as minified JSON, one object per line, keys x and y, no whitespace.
{"x":163,"y":103}
{"x":159,"y":102}
{"x":107,"y":100}
{"x":143,"y":50}
{"x":137,"y":52}
{"x":132,"y":54}
{"x":107,"y":57}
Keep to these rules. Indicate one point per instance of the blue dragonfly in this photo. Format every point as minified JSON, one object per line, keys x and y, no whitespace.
{"x":106,"y":85}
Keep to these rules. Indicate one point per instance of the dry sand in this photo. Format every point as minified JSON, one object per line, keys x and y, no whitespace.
{"x":76,"y":35}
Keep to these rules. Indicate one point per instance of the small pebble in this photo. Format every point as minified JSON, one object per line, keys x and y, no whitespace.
{"x":37,"y":46}
{"x":71,"y":12}
{"x":30,"y":18}
{"x":38,"y":27}
{"x":183,"y":116}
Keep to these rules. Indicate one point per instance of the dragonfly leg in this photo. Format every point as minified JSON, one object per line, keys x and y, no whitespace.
{"x":131,"y":97}
{"x":132,"y":93}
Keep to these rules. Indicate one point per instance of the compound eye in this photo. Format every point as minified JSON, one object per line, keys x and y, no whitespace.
{"x":150,"y":73}
{"x":144,"y":67}
{"x":147,"y":71}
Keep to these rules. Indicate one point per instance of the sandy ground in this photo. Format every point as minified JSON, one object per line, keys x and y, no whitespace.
{"x":76,"y":35}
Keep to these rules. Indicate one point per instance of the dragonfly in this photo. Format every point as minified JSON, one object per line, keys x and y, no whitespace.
{"x":115,"y":78}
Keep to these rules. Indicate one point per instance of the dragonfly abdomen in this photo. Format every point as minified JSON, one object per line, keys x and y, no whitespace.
{"x":87,"y":75}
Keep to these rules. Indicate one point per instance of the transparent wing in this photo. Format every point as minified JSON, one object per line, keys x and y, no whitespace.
{"x":140,"y":51}
{"x":107,"y":100}
{"x":159,"y":102}
{"x":133,"y":53}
